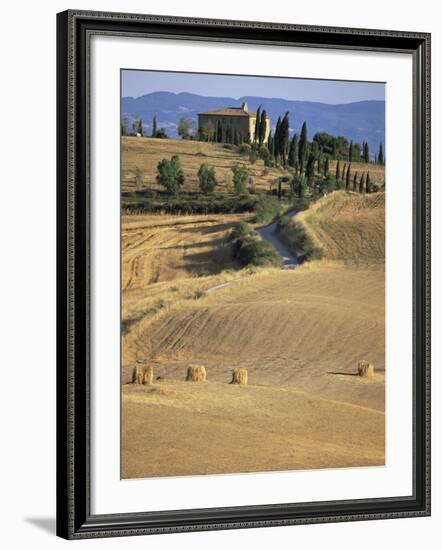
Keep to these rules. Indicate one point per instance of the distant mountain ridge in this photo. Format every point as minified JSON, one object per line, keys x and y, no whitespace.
{"x":358,"y":121}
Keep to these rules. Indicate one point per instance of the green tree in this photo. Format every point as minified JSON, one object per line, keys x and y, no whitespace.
{"x":381,"y":159}
{"x":257,"y":125}
{"x":262,"y":127}
{"x":293,"y":151}
{"x":138,"y":126}
{"x":185,"y":127}
{"x":350,"y":152}
{"x":170,"y":174}
{"x":125,"y":126}
{"x":366,"y":152}
{"x":326,"y":168}
{"x":240,"y":178}
{"x":338,"y":171}
{"x":207,"y":131}
{"x":310,"y":167}
{"x":270,"y":144}
{"x":347,"y":179}
{"x":154,"y":127}
{"x":303,"y":145}
{"x":355,"y":182}
{"x":368,"y":186}
{"x":362,"y":183}
{"x":299,"y":185}
{"x":207,"y":178}
{"x":277,"y":139}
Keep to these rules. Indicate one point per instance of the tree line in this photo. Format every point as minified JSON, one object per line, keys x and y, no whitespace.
{"x":297,"y":152}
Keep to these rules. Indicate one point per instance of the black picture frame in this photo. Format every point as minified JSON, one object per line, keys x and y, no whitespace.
{"x":74,"y":518}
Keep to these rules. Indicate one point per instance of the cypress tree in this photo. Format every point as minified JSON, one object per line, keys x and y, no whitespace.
{"x":381,"y":159}
{"x":154,"y":127}
{"x":362,"y":183}
{"x":235,"y":137}
{"x":355,"y":182}
{"x":338,"y":171}
{"x":270,"y":143}
{"x":277,"y":138}
{"x":350,"y":152}
{"x":262,"y":127}
{"x":228,"y":134}
{"x":347,"y":179}
{"x":257,"y":125}
{"x":366,"y":152}
{"x":368,"y":183}
{"x":293,"y":151}
{"x":310,"y":168}
{"x":302,"y":148}
{"x":284,"y":138}
{"x":326,"y":168}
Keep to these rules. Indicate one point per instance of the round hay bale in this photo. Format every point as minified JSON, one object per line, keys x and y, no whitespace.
{"x":142,"y":375}
{"x":148,"y":376}
{"x":365,"y":368}
{"x":240,"y":376}
{"x":137,"y":375}
{"x":196,"y":373}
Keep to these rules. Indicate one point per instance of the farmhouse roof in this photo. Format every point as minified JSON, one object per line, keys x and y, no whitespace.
{"x":230,"y":111}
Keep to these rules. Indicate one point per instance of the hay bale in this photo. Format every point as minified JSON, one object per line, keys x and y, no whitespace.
{"x":142,"y":375}
{"x":240,"y":376}
{"x":365,"y":368}
{"x":148,"y":376}
{"x":196,"y":373}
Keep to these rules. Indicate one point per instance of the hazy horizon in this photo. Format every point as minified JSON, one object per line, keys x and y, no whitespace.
{"x":137,"y":83}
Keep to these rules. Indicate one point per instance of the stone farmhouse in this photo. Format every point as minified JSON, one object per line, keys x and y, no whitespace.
{"x":230,"y":125}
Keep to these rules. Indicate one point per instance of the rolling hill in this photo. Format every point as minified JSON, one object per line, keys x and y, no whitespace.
{"x":359,"y":121}
{"x":298,"y":332}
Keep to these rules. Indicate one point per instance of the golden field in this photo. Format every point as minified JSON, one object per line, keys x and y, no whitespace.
{"x":300,"y":334}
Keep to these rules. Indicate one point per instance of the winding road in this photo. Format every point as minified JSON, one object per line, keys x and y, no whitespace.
{"x":268,"y":233}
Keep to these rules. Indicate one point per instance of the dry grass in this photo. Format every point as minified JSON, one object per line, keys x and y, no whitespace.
{"x":146,"y":154}
{"x":347,"y":226}
{"x":157,"y":248}
{"x":377,"y":171}
{"x":299,"y":328}
{"x":297,"y":334}
{"x":213,"y":428}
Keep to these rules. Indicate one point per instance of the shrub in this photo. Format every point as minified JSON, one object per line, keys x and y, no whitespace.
{"x":170,"y":174}
{"x":258,"y":253}
{"x":299,"y":185}
{"x":253,"y":157}
{"x":267,"y":208}
{"x":245,"y":149}
{"x":264,"y":153}
{"x":298,"y":241}
{"x":241,"y":231}
{"x":207,"y":178}
{"x":161,"y":133}
{"x":240,"y":178}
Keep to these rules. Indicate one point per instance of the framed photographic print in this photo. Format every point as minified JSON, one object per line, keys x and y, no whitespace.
{"x":243,"y":274}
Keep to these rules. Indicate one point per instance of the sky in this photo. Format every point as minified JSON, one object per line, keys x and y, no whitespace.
{"x":136,"y":83}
